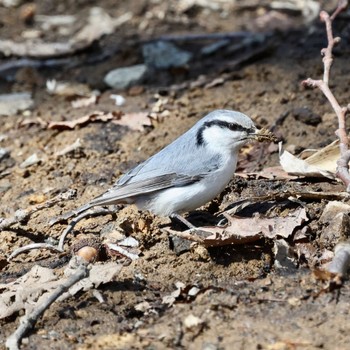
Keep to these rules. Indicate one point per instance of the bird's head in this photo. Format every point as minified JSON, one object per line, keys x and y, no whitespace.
{"x":228,"y":130}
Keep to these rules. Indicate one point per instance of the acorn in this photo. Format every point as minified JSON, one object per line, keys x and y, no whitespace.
{"x":87,"y":248}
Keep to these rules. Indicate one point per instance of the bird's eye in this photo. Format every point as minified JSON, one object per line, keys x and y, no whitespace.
{"x":234,"y":127}
{"x":237,"y":127}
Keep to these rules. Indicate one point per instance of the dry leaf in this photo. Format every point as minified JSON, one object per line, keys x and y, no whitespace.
{"x":26,"y":290}
{"x":320,"y":165}
{"x":326,"y":158}
{"x":31,"y":289}
{"x":32,"y":121}
{"x":94,"y":117}
{"x":135,"y":121}
{"x":99,"y":274}
{"x":241,"y":230}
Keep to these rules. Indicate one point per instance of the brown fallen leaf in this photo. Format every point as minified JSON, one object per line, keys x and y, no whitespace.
{"x":97,"y":116}
{"x":31,"y":289}
{"x":32,"y":121}
{"x":322,"y":163}
{"x":241,"y":230}
{"x":134,"y":121}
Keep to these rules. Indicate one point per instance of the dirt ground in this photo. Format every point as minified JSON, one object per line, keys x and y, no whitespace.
{"x":244,"y":300}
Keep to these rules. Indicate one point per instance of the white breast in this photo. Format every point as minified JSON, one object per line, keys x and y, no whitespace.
{"x":187,"y":198}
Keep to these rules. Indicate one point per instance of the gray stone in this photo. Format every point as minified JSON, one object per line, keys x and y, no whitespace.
{"x":164,"y":55}
{"x":179,"y":245}
{"x":332,"y":209}
{"x":306,"y":116}
{"x":4,"y":153}
{"x":284,"y":257}
{"x":338,"y":229}
{"x":122,"y":78}
{"x":10,"y":104}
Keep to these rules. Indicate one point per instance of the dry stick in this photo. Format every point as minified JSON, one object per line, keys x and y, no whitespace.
{"x":341,"y":261}
{"x":23,"y":214}
{"x":342,"y":164}
{"x":28,"y":321}
{"x":59,"y":248}
{"x":342,"y":5}
{"x":33,"y":246}
{"x":84,"y":214}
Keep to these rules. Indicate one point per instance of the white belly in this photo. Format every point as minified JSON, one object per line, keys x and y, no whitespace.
{"x":187,"y":198}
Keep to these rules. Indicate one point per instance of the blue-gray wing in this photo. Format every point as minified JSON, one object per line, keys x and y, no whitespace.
{"x":182,"y":156}
{"x":128,"y":190}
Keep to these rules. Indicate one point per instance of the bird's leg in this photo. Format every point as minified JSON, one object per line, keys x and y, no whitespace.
{"x":184,"y":221}
{"x":194,"y":234}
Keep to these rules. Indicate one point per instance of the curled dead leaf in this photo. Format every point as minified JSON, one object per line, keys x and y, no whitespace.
{"x":97,"y":116}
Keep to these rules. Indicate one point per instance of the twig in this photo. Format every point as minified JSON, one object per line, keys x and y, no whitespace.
{"x":122,"y":251}
{"x":84,"y":214}
{"x":342,"y":164}
{"x":188,"y":235}
{"x":342,"y":5}
{"x":59,"y":247}
{"x":341,"y":261}
{"x":32,"y":246}
{"x":23,"y":214}
{"x":28,"y":321}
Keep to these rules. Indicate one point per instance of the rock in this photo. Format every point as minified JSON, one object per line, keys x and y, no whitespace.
{"x":4,"y":153}
{"x":192,"y":322}
{"x":284,"y":257}
{"x":123,"y":78}
{"x":332,"y":209}
{"x":33,"y":159}
{"x":12,"y":103}
{"x":179,"y":245}
{"x":164,"y":55}
{"x":337,"y":230}
{"x":336,"y":218}
{"x":306,"y":116}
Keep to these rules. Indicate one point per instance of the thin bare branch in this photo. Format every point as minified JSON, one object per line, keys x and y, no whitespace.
{"x":28,"y":321}
{"x":90,"y":212}
{"x":342,"y":164}
{"x":33,"y":246}
{"x":24,"y":214}
{"x":342,"y":5}
{"x":341,"y":261}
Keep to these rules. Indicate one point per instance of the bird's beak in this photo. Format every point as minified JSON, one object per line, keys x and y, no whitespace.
{"x":263,"y":135}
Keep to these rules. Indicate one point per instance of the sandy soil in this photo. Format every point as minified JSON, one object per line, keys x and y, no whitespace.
{"x":243,"y":301}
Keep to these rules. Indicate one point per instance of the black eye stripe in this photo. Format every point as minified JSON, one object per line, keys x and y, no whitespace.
{"x":224,"y":124}
{"x":221,"y":124}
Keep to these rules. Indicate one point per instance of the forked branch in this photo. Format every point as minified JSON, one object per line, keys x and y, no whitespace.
{"x":342,"y":164}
